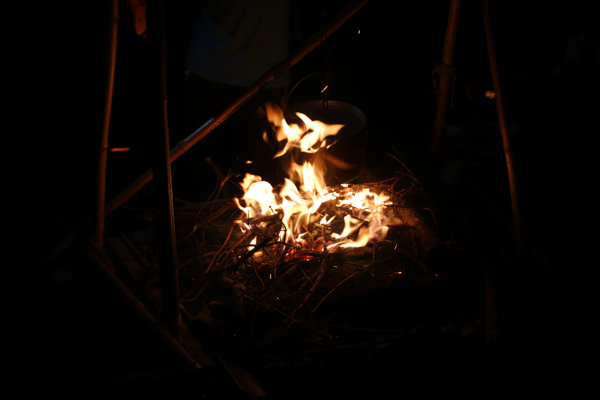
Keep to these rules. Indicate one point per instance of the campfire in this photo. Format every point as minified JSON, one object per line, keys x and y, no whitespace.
{"x":307,"y":216}
{"x":292,"y":250}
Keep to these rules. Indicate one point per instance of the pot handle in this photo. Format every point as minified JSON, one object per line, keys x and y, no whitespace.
{"x":288,"y":94}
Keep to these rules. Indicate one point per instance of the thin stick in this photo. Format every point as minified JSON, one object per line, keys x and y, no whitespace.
{"x":242,"y":240}
{"x":312,"y":289}
{"x":413,"y":257}
{"x":279,"y":261}
{"x":356,"y":328}
{"x":307,"y":277}
{"x":289,"y":271}
{"x":332,"y":290}
{"x":447,"y":55}
{"x":98,"y":228}
{"x":309,"y":280}
{"x":410,"y":174}
{"x":510,"y":164}
{"x":163,"y":197}
{"x":99,"y":265}
{"x":134,"y":249}
{"x":245,"y":257}
{"x":287,"y":317}
{"x":220,"y":212}
{"x":223,"y":246}
{"x":259,"y":278}
{"x":342,"y":347}
{"x":333,"y":348}
{"x":197,"y":294}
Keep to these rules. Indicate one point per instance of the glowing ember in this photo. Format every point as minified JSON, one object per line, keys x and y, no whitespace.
{"x":312,"y":214}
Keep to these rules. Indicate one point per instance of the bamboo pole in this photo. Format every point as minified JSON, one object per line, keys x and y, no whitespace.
{"x":508,"y":152}
{"x":205,"y":129}
{"x":490,"y":299}
{"x":98,"y":224}
{"x":444,"y":71}
{"x":101,"y":268}
{"x":163,"y":196}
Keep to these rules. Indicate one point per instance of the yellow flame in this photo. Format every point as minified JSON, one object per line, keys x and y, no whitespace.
{"x":298,"y":207}
{"x":308,"y":138}
{"x":350,"y":225}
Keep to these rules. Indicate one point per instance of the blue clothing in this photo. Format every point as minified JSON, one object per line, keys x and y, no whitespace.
{"x":235,"y":42}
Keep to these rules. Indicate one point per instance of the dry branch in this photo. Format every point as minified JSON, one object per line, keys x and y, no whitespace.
{"x":291,"y":282}
{"x":322,"y":270}
{"x":246,"y":256}
{"x":222,"y":247}
{"x":332,"y":290}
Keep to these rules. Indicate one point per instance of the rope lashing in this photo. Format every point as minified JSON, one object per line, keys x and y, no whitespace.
{"x":443,"y":69}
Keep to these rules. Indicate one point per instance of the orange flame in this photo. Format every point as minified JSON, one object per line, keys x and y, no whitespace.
{"x":298,"y":207}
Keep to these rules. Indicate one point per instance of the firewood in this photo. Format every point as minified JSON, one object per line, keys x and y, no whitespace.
{"x":291,"y":282}
{"x":331,"y":291}
{"x":322,"y":270}
{"x":221,"y":249}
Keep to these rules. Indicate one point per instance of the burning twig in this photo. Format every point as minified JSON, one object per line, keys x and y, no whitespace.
{"x":246,"y":256}
{"x":279,"y":260}
{"x":309,"y":232}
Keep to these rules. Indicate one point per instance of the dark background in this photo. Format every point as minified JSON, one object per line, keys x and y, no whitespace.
{"x":57,"y":57}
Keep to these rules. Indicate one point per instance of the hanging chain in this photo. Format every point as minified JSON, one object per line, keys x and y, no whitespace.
{"x":326,"y":67}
